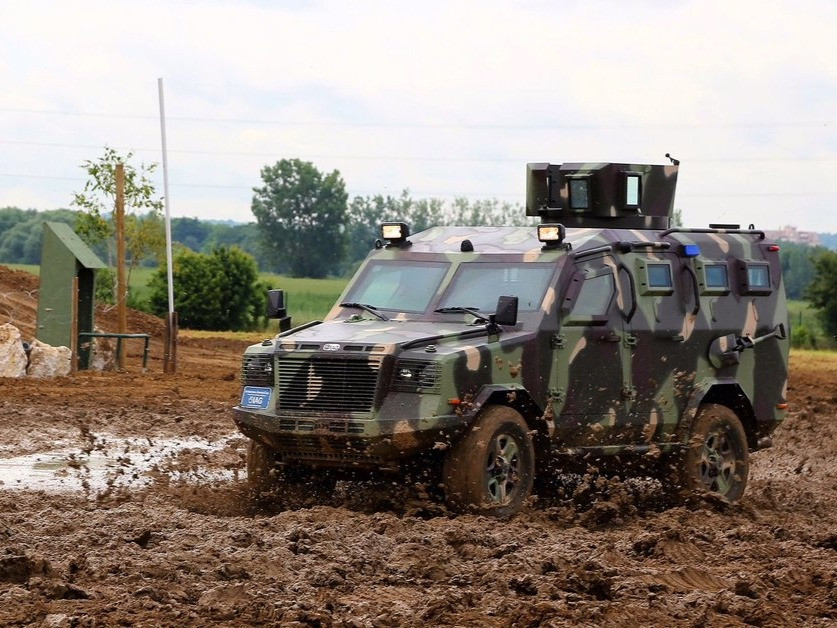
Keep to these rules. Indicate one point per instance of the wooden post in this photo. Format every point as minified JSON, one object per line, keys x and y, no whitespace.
{"x":170,"y":348}
{"x":121,"y":288}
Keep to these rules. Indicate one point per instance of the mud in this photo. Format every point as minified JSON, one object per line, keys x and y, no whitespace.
{"x":123,"y":502}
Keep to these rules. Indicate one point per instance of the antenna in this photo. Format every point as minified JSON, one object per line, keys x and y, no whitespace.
{"x":675,"y":162}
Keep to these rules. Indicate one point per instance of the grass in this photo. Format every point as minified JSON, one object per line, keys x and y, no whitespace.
{"x":822,"y":361}
{"x":803,"y":316}
{"x":307,"y":299}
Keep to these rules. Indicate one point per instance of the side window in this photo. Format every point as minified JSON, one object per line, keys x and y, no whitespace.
{"x":755,"y":278}
{"x":654,"y":277}
{"x":713,"y":277}
{"x":593,"y":300}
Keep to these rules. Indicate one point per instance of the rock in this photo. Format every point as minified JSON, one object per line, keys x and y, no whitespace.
{"x":104,"y":354}
{"x":48,"y":361}
{"x":12,"y":355}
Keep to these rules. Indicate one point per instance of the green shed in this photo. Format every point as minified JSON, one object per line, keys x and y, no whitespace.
{"x":64,"y":257}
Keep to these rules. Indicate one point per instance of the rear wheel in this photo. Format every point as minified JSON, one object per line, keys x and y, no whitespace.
{"x":716,"y":458}
{"x":491,"y":469}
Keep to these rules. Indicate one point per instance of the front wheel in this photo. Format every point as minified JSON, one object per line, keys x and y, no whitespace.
{"x":491,"y":469}
{"x":293,"y":486}
{"x":716,"y":458}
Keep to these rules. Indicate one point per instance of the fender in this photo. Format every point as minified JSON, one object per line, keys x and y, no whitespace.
{"x":725,"y":391}
{"x":506,"y":394}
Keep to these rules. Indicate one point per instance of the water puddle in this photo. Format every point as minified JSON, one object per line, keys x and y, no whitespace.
{"x":110,"y":462}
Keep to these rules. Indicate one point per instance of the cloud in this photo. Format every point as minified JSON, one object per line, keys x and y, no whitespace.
{"x":444,"y":98}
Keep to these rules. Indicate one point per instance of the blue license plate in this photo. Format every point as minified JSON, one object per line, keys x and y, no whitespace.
{"x":255,"y":397}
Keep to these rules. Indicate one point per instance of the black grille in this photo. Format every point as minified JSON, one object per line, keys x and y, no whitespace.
{"x":257,"y":369}
{"x":327,"y":384}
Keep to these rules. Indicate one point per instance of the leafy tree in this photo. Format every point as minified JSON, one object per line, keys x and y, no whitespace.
{"x":218,"y":291}
{"x":301,"y":215}
{"x":797,"y":262}
{"x":21,"y":233}
{"x":676,"y":218}
{"x":96,"y":223}
{"x":822,"y":292}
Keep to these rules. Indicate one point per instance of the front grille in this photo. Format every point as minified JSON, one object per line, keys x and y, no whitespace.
{"x":257,"y":369}
{"x":327,"y":384}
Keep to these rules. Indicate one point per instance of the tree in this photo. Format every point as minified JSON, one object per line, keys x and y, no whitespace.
{"x":822,"y":292}
{"x":96,"y":223}
{"x":218,"y":291}
{"x":301,"y":215}
{"x":797,"y":267}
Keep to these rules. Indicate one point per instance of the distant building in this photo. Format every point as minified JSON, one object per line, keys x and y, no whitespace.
{"x":790,"y":233}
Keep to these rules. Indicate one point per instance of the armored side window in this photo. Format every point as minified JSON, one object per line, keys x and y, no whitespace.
{"x":633,"y":190}
{"x":716,"y":276}
{"x":756,"y":278}
{"x":592,"y":303}
{"x":655,"y":277}
{"x":579,"y":193}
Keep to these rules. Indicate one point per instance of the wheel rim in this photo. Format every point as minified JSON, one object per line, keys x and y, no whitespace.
{"x":717,"y":463}
{"x":502,"y":471}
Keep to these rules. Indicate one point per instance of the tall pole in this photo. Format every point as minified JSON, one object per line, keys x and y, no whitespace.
{"x":170,"y":354}
{"x":121,"y":287}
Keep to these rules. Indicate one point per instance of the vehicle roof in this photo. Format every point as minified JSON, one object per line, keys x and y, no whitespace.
{"x":500,"y":240}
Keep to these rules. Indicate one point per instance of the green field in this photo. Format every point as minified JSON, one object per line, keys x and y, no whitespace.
{"x":307,"y":299}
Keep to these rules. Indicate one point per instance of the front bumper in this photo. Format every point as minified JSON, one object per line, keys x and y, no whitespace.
{"x":349,"y":443}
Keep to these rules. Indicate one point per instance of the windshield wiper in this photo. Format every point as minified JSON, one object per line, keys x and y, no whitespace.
{"x":364,"y":306}
{"x":473,"y":311}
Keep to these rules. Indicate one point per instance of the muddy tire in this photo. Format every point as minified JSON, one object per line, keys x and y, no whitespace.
{"x":292,"y":486}
{"x":262,"y":472}
{"x":491,"y":469}
{"x":716,"y":457}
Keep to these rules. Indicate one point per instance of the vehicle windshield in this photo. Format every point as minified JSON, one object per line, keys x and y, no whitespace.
{"x":478,"y":285}
{"x":401,"y":286}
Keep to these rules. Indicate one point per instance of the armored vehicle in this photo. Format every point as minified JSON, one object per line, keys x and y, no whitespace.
{"x":486,"y":355}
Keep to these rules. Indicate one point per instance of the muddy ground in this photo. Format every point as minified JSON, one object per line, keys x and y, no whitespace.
{"x":123,"y":502}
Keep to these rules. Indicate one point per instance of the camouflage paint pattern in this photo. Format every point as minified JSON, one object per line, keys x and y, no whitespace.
{"x":628,"y":377}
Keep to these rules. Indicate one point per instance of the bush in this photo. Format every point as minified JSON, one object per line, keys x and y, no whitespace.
{"x":803,"y":338}
{"x":219,"y":291}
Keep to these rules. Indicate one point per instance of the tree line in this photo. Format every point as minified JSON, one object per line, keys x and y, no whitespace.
{"x":305,"y":225}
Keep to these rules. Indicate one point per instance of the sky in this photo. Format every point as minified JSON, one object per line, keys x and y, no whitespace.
{"x":443,"y":98}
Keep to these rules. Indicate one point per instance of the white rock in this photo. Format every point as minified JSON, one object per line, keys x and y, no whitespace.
{"x":104,"y":354}
{"x":48,"y":361}
{"x":12,"y":355}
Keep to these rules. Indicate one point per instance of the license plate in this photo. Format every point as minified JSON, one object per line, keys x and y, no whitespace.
{"x":255,"y":397}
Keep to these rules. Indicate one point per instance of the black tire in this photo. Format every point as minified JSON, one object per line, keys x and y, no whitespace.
{"x":262,"y":472}
{"x":716,"y":457}
{"x":491,"y":469}
{"x":293,"y":486}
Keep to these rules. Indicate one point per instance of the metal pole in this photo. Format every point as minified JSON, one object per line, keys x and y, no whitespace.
{"x":170,"y":363}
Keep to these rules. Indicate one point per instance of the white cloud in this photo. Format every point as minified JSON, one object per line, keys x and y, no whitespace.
{"x":443,"y":98}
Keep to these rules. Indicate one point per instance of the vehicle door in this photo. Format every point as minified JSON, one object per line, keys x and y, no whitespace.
{"x":589,"y":378}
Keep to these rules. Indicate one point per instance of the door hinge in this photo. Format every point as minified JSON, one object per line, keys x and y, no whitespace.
{"x":630,"y":340}
{"x":557,"y":341}
{"x":629,"y":392}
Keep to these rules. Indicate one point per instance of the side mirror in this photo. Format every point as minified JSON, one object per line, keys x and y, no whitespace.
{"x":277,"y":308}
{"x":506,"y":312}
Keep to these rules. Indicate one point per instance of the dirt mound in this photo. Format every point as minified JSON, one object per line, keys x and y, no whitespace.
{"x":19,"y":306}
